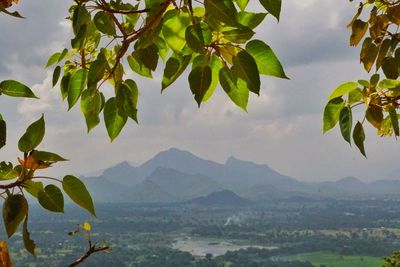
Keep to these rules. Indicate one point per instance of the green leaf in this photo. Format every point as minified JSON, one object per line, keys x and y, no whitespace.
{"x":199,"y":81}
{"x":28,"y":242}
{"x":359,"y":137}
{"x":147,"y":56}
{"x":197,"y":36}
{"x":238,"y":94}
{"x":126,"y":99}
{"x":174,"y":67}
{"x":56,"y":75}
{"x":91,"y":104}
{"x":138,"y":66}
{"x":384,"y":49}
{"x":76,"y":85}
{"x":346,"y":123}
{"x":374,"y":115}
{"x":343,"y":89}
{"x":246,"y":68}
{"x":389,"y":83}
{"x":239,"y":36}
{"x":395,"y":120}
{"x":242,"y":4}
{"x":7,"y":171}
{"x":273,"y":7}
{"x":355,"y":96}
{"x":78,"y":193}
{"x":80,"y":18}
{"x":33,"y":188}
{"x":104,"y":23}
{"x":174,"y":28}
{"x":113,"y":120}
{"x":15,"y":209}
{"x":33,"y":136}
{"x":64,"y":85}
{"x":96,"y":71}
{"x":16,"y":89}
{"x":332,"y":113}
{"x":216,"y":65}
{"x":267,"y":61}
{"x":390,"y":68}
{"x":53,"y":59}
{"x":47,"y":156}
{"x":223,"y":11}
{"x":51,"y":198}
{"x":3,"y":132}
{"x":249,"y":19}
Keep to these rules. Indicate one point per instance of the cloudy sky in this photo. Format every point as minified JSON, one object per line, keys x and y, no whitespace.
{"x":282,"y":127}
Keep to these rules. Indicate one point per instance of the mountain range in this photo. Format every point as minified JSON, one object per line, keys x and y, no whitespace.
{"x":176,"y":175}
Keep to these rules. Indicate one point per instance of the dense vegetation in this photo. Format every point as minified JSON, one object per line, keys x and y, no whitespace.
{"x":147,"y":234}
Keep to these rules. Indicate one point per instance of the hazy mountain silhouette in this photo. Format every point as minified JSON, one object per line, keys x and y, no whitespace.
{"x":175,"y":175}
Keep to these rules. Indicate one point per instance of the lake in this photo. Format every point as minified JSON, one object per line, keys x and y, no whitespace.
{"x":202,"y":246}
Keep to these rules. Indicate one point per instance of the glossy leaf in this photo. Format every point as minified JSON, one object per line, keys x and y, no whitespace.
{"x":33,"y":187}
{"x":359,"y":137}
{"x":174,"y":29}
{"x":223,"y":11}
{"x":104,"y":23}
{"x":7,"y":171}
{"x":113,"y":120}
{"x":96,"y":72}
{"x":216,"y":65}
{"x":127,"y":98}
{"x":273,"y":7}
{"x":238,"y":94}
{"x":77,"y":84}
{"x":242,"y":4}
{"x":28,"y":242}
{"x":346,"y":123}
{"x":78,"y":193}
{"x":197,"y":36}
{"x":51,"y":198}
{"x":343,"y":89}
{"x":332,"y":113}
{"x":395,"y":120}
{"x":174,"y":67}
{"x":15,"y":89}
{"x":47,"y":156}
{"x":91,"y":104}
{"x":33,"y":136}
{"x":374,"y":115}
{"x":390,"y":68}
{"x":56,"y":75}
{"x":200,"y":81}
{"x":250,"y":19}
{"x":267,"y":62}
{"x":240,"y":36}
{"x":246,"y":68}
{"x":15,"y":209}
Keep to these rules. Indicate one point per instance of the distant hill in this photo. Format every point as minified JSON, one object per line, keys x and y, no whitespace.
{"x":176,"y":175}
{"x":169,"y":185}
{"x":221,"y":198}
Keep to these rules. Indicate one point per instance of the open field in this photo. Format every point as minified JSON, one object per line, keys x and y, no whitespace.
{"x":334,"y":260}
